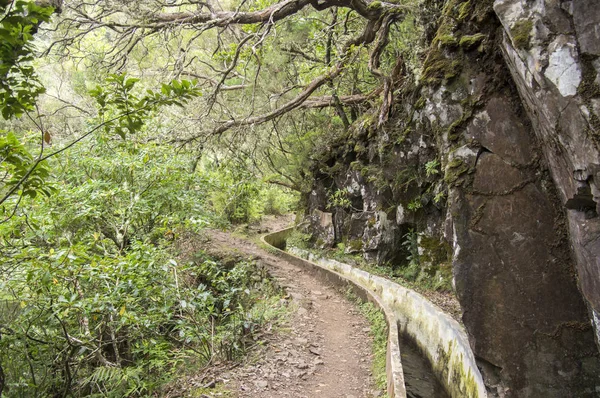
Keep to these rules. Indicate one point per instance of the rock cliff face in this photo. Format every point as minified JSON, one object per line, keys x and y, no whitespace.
{"x":556,"y":69}
{"x":493,"y":159}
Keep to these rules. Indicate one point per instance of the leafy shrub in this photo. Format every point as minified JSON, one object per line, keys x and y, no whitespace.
{"x":93,"y":304}
{"x":277,"y":201}
{"x":298,"y":239}
{"x":338,"y":198}
{"x":122,"y":325}
{"x":234,"y":193}
{"x":91,"y":301}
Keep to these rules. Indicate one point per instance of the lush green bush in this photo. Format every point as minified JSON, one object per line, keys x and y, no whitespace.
{"x":19,"y":85}
{"x":238,"y":196}
{"x":120,"y":325}
{"x":234,"y":193}
{"x":277,"y":201}
{"x":124,"y":191}
{"x":92,"y":301}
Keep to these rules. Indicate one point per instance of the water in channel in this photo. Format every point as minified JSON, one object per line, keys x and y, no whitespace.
{"x":419,"y":379}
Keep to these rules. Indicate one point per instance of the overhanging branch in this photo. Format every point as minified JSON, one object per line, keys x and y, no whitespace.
{"x":328,"y":100}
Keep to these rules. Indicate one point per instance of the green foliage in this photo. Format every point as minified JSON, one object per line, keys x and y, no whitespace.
{"x":290,"y":165}
{"x":19,"y":85}
{"x":121,"y":110}
{"x":18,"y":171}
{"x":415,"y":204}
{"x":127,"y":191}
{"x":277,"y":201}
{"x":411,"y":246}
{"x":91,"y":289}
{"x":237,"y":195}
{"x":437,"y":199}
{"x":521,"y":32}
{"x":431,"y":167}
{"x":92,"y":302}
{"x":299,"y":239}
{"x":234,"y":193}
{"x":379,"y":333}
{"x":338,"y":198}
{"x":406,"y":38}
{"x":122,"y":325}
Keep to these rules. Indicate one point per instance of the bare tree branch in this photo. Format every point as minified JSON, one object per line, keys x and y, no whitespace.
{"x":328,"y":101}
{"x":273,"y":13}
{"x":214,"y":82}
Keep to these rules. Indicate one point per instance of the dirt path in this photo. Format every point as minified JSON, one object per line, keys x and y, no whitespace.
{"x":323,"y":349}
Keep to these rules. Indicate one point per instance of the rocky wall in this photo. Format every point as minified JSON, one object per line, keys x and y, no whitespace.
{"x":554,"y":59}
{"x":508,"y":103}
{"x":513,"y":269}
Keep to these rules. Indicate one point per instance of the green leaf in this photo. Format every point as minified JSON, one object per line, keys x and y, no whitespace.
{"x":129,"y":83}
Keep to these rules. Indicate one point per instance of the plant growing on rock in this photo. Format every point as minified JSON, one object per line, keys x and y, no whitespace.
{"x":339,"y":198}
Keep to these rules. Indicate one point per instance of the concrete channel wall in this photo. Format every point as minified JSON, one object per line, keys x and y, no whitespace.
{"x":441,"y":339}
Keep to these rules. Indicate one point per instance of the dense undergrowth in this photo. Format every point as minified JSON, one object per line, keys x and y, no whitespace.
{"x":415,"y":272}
{"x":93,"y":301}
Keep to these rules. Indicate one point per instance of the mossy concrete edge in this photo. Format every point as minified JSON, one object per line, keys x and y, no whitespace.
{"x":441,"y":339}
{"x":395,"y":375}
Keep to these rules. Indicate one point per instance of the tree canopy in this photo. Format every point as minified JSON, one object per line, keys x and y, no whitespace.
{"x":129,"y":125}
{"x":257,"y":63}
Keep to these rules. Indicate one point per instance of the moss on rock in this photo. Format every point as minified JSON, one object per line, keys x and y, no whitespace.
{"x":447,"y":40}
{"x":470,"y":41}
{"x":439,"y":67}
{"x":454,"y":170}
{"x":521,"y":33}
{"x":355,"y":245}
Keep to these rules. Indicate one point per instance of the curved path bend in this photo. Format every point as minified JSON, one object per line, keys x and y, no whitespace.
{"x":323,"y":350}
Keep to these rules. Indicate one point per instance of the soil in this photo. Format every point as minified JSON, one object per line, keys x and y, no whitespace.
{"x":322,"y":349}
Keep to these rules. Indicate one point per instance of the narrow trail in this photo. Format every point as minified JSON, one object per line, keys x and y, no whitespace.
{"x":323,"y":350}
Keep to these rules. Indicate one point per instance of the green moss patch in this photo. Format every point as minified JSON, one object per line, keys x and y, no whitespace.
{"x":447,"y":40}
{"x":470,"y":41}
{"x":355,"y":245}
{"x":521,"y":34}
{"x":454,"y":170}
{"x":439,"y":67}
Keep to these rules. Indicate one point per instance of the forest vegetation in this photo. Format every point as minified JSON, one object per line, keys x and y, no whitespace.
{"x":128,"y":125}
{"x":453,"y":143}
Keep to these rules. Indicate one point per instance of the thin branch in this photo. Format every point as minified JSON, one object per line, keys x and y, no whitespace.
{"x":327,"y":100}
{"x":213,"y":82}
{"x":296,"y":51}
{"x":366,"y":37}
